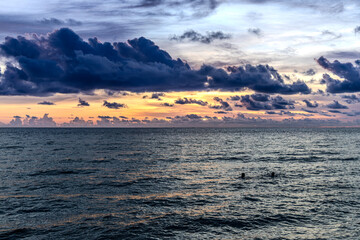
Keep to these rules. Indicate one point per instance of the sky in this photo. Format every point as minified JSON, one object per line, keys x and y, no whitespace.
{"x":169,"y":63}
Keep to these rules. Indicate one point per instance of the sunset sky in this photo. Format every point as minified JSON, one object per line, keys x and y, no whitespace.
{"x":180,"y":63}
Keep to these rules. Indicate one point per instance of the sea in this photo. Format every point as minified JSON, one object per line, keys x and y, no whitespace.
{"x":180,"y":183}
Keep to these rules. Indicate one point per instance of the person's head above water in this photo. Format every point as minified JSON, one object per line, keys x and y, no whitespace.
{"x":272,"y":174}
{"x":242,"y":175}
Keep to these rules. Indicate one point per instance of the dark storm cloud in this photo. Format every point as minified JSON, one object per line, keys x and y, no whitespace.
{"x":350,"y":99}
{"x":62,"y":62}
{"x":183,"y":101}
{"x":336,"y":105}
{"x":113,"y":105}
{"x":46,"y":103}
{"x":83,"y":103}
{"x":347,"y":71}
{"x":223,"y":105}
{"x":260,"y":97}
{"x":234,"y":98}
{"x":250,"y":104}
{"x":260,"y":78}
{"x":310,"y":104}
{"x":277,"y":102}
{"x":193,"y":36}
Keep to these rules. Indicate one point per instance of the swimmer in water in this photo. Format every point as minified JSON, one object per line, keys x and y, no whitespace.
{"x":272,"y":174}
{"x":243,"y":175}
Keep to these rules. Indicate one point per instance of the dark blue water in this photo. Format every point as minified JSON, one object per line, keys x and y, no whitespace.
{"x":179,"y":184}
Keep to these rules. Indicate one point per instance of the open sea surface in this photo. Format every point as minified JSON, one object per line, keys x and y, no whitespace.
{"x":182,"y":183}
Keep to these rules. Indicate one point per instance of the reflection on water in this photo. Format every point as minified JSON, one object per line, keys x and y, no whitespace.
{"x":179,"y":183}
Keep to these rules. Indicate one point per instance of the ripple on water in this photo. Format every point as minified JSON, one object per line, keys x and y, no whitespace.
{"x":179,"y":183}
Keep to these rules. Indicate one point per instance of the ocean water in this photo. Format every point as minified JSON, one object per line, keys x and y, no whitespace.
{"x":180,"y":183}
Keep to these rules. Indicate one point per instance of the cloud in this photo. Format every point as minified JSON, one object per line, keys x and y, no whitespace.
{"x":223,"y":105}
{"x":234,"y":98}
{"x":183,"y":101}
{"x":78,"y":122}
{"x":16,"y":121}
{"x":193,"y":36}
{"x":189,"y":120}
{"x":260,"y":97}
{"x":261,"y":78}
{"x":17,"y":23}
{"x":335,"y":111}
{"x":83,"y":103}
{"x":352,"y":114}
{"x":288,"y":113}
{"x":250,"y":104}
{"x":326,"y":114}
{"x":157,"y":95}
{"x":29,"y":121}
{"x":346,"y":71}
{"x":195,"y":8}
{"x":329,"y":6}
{"x":46,"y":103}
{"x":350,"y":99}
{"x":55,"y":21}
{"x":357,"y":29}
{"x":114,"y":105}
{"x":310,"y":72}
{"x":343,"y":54}
{"x":309,"y":111}
{"x":193,"y":116}
{"x":45,"y":121}
{"x":238,"y":105}
{"x":167,"y":104}
{"x":149,"y":3}
{"x":277,"y":102}
{"x":116,"y":93}
{"x":336,"y":105}
{"x":255,"y":31}
{"x":61,"y":62}
{"x":310,"y":104}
